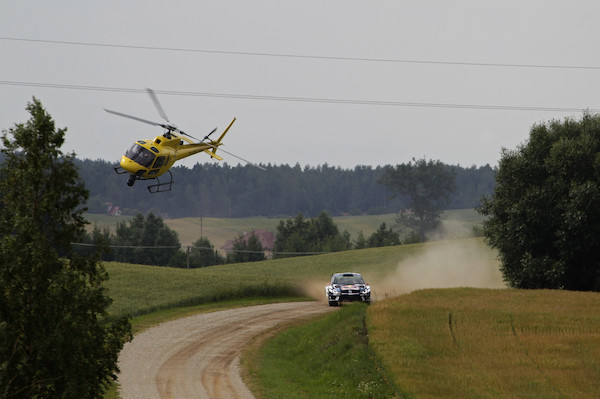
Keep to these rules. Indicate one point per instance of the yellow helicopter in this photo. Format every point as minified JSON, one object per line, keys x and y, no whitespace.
{"x":149,"y":159}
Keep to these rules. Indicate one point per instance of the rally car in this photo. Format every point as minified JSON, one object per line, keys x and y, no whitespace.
{"x":347,"y":287}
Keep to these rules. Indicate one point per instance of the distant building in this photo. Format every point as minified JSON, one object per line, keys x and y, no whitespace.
{"x":112,"y":210}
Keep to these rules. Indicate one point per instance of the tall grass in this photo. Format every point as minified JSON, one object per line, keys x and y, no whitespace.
{"x":473,"y":343}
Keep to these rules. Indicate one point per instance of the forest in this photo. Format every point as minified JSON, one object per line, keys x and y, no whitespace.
{"x":222,"y":190}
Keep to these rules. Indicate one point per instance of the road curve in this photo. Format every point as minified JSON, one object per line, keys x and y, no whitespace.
{"x":198,"y":356}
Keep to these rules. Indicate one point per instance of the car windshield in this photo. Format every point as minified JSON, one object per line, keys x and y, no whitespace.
{"x":348,"y":280}
{"x":141,"y":155}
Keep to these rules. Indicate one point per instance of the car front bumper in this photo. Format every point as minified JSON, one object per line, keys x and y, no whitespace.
{"x":353,"y":297}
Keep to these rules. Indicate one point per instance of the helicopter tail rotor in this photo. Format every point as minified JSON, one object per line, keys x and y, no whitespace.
{"x":208,"y":135}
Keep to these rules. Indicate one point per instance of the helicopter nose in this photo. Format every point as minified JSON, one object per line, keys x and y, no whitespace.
{"x":127,"y":164}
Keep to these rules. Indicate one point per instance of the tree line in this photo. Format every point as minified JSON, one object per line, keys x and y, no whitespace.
{"x":148,"y":240}
{"x":222,"y":190}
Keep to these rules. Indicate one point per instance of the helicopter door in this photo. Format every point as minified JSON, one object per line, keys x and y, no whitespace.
{"x":160,"y":161}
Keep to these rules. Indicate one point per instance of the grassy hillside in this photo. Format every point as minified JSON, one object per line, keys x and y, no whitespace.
{"x":391,"y":271}
{"x":474,"y":343}
{"x":137,"y":289}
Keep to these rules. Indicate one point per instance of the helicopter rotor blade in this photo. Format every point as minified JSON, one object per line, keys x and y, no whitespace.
{"x":169,"y":126}
{"x":159,"y":107}
{"x":135,"y":118}
{"x":163,"y":114}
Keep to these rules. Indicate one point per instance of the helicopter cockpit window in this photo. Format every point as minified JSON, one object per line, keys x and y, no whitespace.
{"x":139,"y":154}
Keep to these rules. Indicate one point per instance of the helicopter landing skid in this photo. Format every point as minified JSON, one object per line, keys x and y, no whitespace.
{"x":153,"y":188}
{"x":161,"y":187}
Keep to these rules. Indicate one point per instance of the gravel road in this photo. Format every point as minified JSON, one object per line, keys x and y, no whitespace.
{"x":198,"y":356}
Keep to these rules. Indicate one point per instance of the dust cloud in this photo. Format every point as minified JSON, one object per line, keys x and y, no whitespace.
{"x":315,"y":289}
{"x":443,"y":264}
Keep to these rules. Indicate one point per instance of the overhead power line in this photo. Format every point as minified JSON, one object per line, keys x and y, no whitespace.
{"x":302,"y":99}
{"x":84,"y":244}
{"x":305,"y":56}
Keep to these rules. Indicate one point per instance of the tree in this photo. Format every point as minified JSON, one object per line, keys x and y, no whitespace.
{"x":88,"y":241}
{"x":428,"y":185}
{"x":202,"y":253}
{"x":361,"y":242}
{"x":55,"y":339}
{"x":246,"y":248}
{"x":544,"y":215}
{"x":318,"y":234}
{"x":383,"y":237}
{"x":138,"y":238}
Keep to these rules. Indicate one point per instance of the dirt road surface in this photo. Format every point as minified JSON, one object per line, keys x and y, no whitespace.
{"x":198,"y":356}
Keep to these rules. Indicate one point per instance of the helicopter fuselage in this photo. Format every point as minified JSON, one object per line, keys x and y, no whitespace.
{"x":148,"y":159}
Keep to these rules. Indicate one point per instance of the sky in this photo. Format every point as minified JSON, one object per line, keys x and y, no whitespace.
{"x":337,"y":82}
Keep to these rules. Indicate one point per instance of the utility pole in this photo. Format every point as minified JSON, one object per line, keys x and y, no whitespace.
{"x":188,"y":257}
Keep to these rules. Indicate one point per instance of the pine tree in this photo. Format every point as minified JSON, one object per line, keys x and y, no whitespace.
{"x":55,"y":339}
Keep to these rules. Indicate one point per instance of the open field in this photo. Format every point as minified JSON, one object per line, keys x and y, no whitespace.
{"x":474,"y":343}
{"x":457,"y":223}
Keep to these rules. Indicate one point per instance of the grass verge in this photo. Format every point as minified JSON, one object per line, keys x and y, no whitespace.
{"x":327,"y":357}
